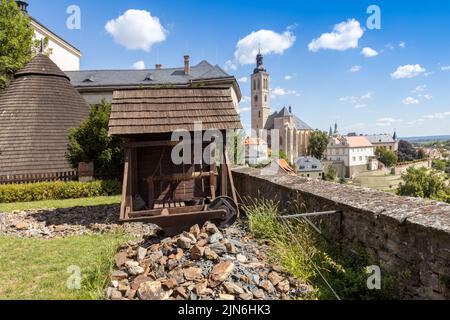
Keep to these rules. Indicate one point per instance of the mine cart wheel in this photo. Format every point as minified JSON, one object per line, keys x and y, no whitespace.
{"x":227,"y":204}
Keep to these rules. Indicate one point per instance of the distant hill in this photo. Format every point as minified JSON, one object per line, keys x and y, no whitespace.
{"x":426,"y":139}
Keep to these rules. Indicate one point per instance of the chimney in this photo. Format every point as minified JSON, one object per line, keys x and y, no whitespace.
{"x":158,"y":66}
{"x":23,"y":6}
{"x":187,"y":66}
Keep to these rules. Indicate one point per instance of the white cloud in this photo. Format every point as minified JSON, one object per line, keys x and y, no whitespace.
{"x":357,"y":101}
{"x":429,"y":117}
{"x":408,"y":71}
{"x":386,"y":122}
{"x":243,"y":109}
{"x":355,"y":69}
{"x":268,"y":41}
{"x":279,"y":92}
{"x":136,"y":30}
{"x":445,"y":68}
{"x":345,"y":35}
{"x":427,"y":96}
{"x":139,"y":65}
{"x":402,"y":44}
{"x":288,"y":77}
{"x":243,"y":79}
{"x":420,"y":88}
{"x":410,"y":100}
{"x":245,"y":99}
{"x":230,"y":66}
{"x":369,"y":52}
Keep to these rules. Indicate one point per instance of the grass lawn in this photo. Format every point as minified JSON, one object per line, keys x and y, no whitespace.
{"x":38,"y":269}
{"x":57,"y":204}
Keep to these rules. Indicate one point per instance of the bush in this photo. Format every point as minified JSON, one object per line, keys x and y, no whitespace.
{"x":91,"y":143}
{"x":386,"y":157}
{"x":57,"y":190}
{"x":424,"y":183}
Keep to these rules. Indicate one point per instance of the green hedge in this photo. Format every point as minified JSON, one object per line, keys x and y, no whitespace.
{"x":57,"y":190}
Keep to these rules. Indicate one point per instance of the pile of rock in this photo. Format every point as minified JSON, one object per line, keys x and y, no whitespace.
{"x":202,"y":264}
{"x":57,"y":223}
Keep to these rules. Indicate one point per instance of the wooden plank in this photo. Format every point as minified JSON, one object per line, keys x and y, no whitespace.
{"x":123,"y":215}
{"x":145,"y":144}
{"x":230,"y":178}
{"x":180,"y":177}
{"x":171,"y":211}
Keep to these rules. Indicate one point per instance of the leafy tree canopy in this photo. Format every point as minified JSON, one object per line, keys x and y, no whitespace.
{"x":387,"y":157}
{"x":318,"y":143}
{"x":424,"y":183}
{"x":91,"y":143}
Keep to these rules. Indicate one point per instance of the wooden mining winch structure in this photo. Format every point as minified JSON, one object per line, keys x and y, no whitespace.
{"x":156,"y":189}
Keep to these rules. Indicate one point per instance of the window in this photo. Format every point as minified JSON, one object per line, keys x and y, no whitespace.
{"x":256,"y":98}
{"x":360,"y":158}
{"x":265,"y":98}
{"x":354,"y":159}
{"x":259,"y":84}
{"x":259,"y":114}
{"x":254,"y":84}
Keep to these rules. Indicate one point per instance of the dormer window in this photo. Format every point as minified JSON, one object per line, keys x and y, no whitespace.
{"x":148,"y":77}
{"x":89,"y":79}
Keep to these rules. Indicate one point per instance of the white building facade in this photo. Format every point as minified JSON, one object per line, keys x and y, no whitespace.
{"x":350,"y":155}
{"x":63,"y":54}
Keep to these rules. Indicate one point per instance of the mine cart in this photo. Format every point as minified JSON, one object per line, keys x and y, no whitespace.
{"x":161,"y":189}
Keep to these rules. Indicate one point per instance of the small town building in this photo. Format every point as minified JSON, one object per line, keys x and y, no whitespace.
{"x":256,"y":151}
{"x":292,"y":131}
{"x":95,"y":85}
{"x":350,"y":154}
{"x":65,"y":55}
{"x":279,"y":166}
{"x":37,"y":110}
{"x":385,"y":141}
{"x":309,"y":167}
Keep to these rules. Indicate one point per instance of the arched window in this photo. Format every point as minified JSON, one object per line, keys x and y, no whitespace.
{"x":254,"y":84}
{"x":265,"y":98}
{"x":256,"y":98}
{"x":259,"y":84}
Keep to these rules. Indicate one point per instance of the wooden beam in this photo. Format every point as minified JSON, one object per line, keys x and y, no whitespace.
{"x":145,"y":144}
{"x":180,"y":177}
{"x":171,"y":211}
{"x":123,"y":204}
{"x":230,"y":179}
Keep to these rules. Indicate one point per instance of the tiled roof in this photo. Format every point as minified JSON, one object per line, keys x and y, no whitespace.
{"x":308,"y":164}
{"x":358,"y":142}
{"x":149,"y":111}
{"x":380,"y":138}
{"x":298,"y":123}
{"x":95,"y":78}
{"x":37,"y":110}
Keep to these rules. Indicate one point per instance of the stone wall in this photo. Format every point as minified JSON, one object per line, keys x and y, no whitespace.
{"x":398,"y":233}
{"x":403,"y":168}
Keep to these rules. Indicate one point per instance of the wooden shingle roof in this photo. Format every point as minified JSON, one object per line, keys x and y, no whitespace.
{"x":151,"y":111}
{"x":37,"y":110}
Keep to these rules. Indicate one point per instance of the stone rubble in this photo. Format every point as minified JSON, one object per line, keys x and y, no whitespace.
{"x":203,"y":264}
{"x":57,"y":223}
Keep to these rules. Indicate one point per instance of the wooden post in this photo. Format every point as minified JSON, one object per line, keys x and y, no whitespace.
{"x":123,"y":206}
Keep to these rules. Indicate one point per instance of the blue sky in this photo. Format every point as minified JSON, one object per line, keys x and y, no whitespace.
{"x":403,"y":85}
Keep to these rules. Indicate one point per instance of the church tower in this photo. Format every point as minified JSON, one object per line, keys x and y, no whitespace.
{"x":260,"y":95}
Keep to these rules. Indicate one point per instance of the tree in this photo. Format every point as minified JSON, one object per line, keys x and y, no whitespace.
{"x":91,"y":143}
{"x":331,"y":174}
{"x":318,"y":142}
{"x":424,"y":183}
{"x":16,"y":40}
{"x":421,"y":154}
{"x":387,"y":157}
{"x":406,"y":151}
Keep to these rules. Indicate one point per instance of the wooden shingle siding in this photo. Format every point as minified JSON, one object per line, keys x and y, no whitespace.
{"x":37,"y":110}
{"x":148,"y":111}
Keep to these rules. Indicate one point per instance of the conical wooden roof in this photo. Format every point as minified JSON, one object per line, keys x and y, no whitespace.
{"x":37,"y":110}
